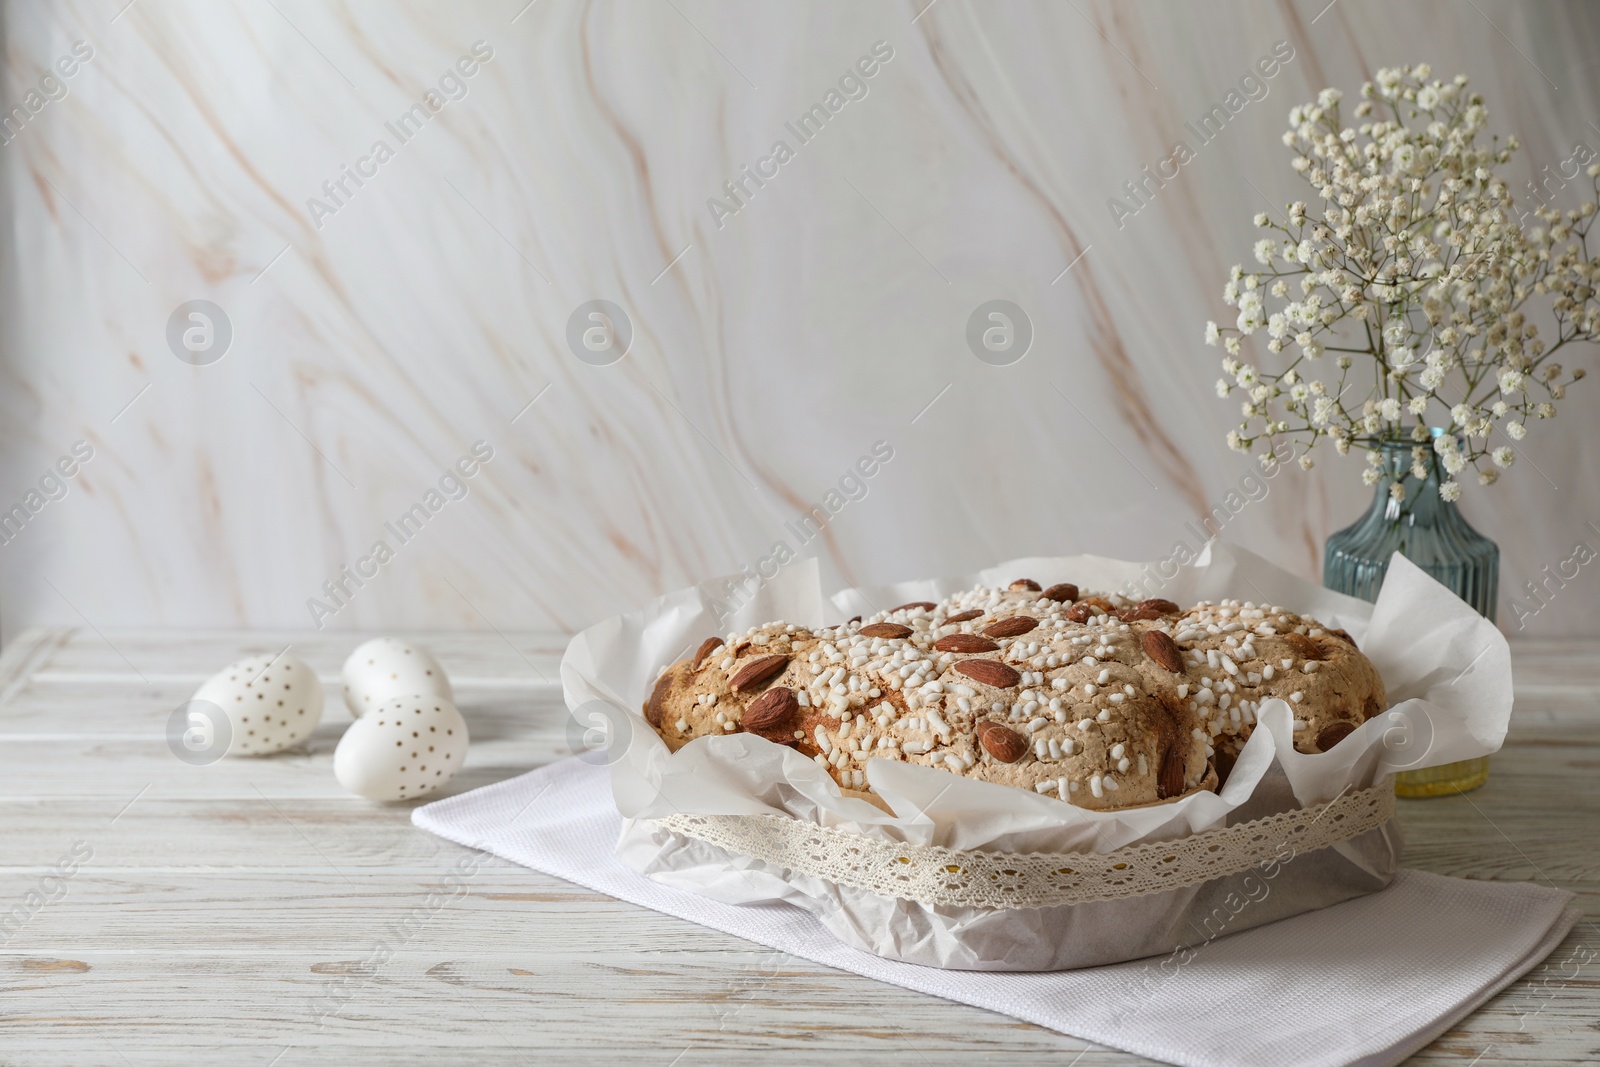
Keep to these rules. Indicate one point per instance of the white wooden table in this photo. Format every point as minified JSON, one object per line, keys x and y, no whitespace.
{"x":220,"y":905}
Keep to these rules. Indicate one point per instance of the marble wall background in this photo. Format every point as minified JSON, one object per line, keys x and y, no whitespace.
{"x":426,"y":310}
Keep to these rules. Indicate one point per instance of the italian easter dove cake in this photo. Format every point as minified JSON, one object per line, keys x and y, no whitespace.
{"x":1100,"y":701}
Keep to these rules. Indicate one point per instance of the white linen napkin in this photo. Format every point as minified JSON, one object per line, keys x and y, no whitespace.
{"x":1369,"y":981}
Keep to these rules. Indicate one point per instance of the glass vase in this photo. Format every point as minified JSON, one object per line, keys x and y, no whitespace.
{"x":1431,"y":533}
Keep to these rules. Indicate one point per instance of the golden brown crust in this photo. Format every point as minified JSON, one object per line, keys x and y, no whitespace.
{"x":1249,"y":654}
{"x":1100,"y":701}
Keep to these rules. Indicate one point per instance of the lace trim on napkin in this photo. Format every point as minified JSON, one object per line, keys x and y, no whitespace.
{"x":932,"y":874}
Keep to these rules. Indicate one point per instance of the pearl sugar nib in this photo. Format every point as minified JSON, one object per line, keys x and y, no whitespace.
{"x":272,"y":702}
{"x":403,"y":748}
{"x":388,"y":667}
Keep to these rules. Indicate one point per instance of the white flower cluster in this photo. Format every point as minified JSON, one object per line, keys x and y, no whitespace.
{"x":1414,"y":259}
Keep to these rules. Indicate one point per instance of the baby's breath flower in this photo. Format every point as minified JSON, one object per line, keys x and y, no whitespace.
{"x":1252,"y":314}
{"x":1450,"y":491}
{"x":1411,"y":228}
{"x":1397,"y":490}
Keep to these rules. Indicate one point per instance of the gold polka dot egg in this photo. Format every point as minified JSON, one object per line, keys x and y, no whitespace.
{"x":388,"y":667}
{"x":403,"y":748}
{"x":272,"y":702}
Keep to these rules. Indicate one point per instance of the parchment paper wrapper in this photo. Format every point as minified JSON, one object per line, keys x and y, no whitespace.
{"x":1447,"y":671}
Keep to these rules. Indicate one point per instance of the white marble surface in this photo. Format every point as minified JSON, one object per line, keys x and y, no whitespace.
{"x":372,"y":350}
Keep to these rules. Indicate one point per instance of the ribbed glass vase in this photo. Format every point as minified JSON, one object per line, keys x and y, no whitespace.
{"x":1431,"y":533}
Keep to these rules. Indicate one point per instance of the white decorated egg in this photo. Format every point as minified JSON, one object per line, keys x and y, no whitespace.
{"x":387,"y":667}
{"x":272,"y":702}
{"x":402,"y":748}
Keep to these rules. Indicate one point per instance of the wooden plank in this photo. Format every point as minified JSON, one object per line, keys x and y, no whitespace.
{"x":751,"y":998}
{"x":109,"y":709}
{"x":468,"y":1048}
{"x":160,"y":833}
{"x":25,"y":654}
{"x":318,"y":905}
{"x":132,"y":656}
{"x":122,"y":768}
{"x":750,"y":1001}
{"x":322,"y":910}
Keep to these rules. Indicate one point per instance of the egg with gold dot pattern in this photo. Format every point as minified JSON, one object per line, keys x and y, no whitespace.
{"x":273,"y":702}
{"x":403,"y":748}
{"x":388,"y":667}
